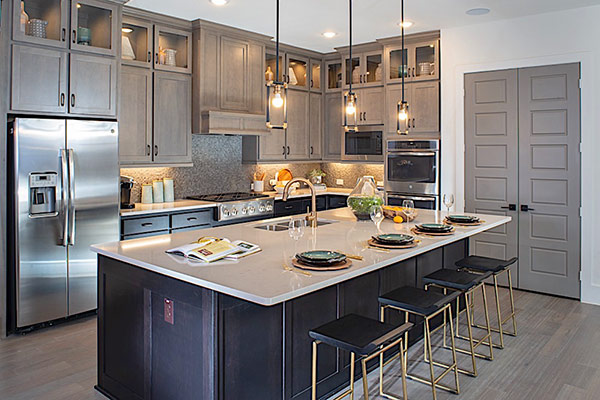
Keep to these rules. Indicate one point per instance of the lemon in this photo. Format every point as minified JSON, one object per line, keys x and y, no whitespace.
{"x":398,"y":219}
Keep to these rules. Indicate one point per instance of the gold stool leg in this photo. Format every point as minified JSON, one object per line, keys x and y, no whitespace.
{"x":403,"y":367}
{"x":469,"y":330}
{"x":500,"y":330}
{"x":314,"y":371}
{"x":365,"y":383}
{"x":427,"y":337}
{"x":512,"y":303}
{"x":453,"y":351}
{"x":406,"y":318}
{"x":487,"y":321}
{"x":352,"y":359}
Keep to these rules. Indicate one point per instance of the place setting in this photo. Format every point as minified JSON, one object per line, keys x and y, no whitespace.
{"x":433,"y":229}
{"x":392,"y":241}
{"x":321,"y":260}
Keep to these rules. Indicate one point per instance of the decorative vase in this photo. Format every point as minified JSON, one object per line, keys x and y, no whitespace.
{"x":364,"y":197}
{"x":24,"y":18}
{"x":269,"y":74}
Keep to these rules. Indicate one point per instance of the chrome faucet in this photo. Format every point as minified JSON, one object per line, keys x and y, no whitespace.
{"x":312,"y":216}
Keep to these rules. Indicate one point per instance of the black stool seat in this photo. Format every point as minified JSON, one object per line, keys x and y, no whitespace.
{"x":420,"y":301}
{"x":479,"y":263}
{"x":458,"y":280}
{"x":358,"y":334}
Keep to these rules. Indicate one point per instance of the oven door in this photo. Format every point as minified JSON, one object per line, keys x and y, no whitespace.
{"x":364,"y":145}
{"x":426,"y":202}
{"x":413,"y":172}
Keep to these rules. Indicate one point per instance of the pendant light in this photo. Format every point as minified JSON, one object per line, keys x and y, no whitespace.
{"x":277,"y":91}
{"x":402,"y":120}
{"x":350,"y":98}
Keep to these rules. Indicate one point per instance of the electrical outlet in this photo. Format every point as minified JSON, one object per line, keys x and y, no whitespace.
{"x":379,"y":183}
{"x":339,"y":181}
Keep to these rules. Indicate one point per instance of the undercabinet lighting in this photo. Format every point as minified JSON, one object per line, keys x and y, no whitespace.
{"x":329,"y":34}
{"x":407,"y":24}
{"x":126,"y":30}
{"x":478,"y":11}
{"x":219,"y":2}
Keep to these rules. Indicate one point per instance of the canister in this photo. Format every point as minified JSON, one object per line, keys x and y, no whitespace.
{"x":158,"y":191}
{"x":147,"y":193}
{"x":169,"y":190}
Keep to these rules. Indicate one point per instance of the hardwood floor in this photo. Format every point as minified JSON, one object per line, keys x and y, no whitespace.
{"x":555,"y":356}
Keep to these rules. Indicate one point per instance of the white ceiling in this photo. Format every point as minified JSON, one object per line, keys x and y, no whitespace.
{"x":303,"y":21}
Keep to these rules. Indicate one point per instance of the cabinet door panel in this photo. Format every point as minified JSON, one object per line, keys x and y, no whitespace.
{"x":93,"y":85}
{"x":424,"y":110}
{"x":54,"y":12}
{"x":393,"y":97}
{"x":234,"y":74}
{"x":371,"y":106}
{"x":256,"y":86}
{"x":272,"y":145}
{"x":172,"y":118}
{"x":180,"y":41}
{"x":316,"y":125}
{"x":94,"y":27}
{"x":38,"y":80}
{"x":135,"y":115}
{"x":333,"y":126}
{"x":297,"y":136}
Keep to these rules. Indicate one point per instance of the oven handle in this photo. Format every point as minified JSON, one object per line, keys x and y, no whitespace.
{"x":415,"y":153}
{"x":412,"y":197}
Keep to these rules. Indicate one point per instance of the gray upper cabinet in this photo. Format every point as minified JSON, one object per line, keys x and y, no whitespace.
{"x":172,"y":49}
{"x":271,"y":146}
{"x":93,"y":85}
{"x":297,"y":72}
{"x":135,"y":116}
{"x":332,"y":134}
{"x":54,"y":12}
{"x":172,"y":118}
{"x":39,"y":80}
{"x":365,"y":69}
{"x":316,"y":76}
{"x":316,"y":125}
{"x":333,"y":76}
{"x":234,"y":74}
{"x":297,"y":132}
{"x":94,"y":27}
{"x":137,"y":42}
{"x":371,"y":108}
{"x":421,"y":59}
{"x":393,"y":94}
{"x":424,"y":107}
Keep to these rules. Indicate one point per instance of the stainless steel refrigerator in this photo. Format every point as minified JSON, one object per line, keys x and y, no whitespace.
{"x":64,"y":188}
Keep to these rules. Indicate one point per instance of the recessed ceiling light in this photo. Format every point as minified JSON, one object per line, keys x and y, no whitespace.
{"x":406,"y":24}
{"x":329,"y":34}
{"x":126,"y":30}
{"x":219,"y":2}
{"x":478,"y":11}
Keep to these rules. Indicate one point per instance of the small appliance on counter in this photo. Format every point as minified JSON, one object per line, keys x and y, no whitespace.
{"x":126,"y":186}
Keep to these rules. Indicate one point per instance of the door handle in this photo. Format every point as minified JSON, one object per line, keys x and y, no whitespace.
{"x":73,"y":100}
{"x":365,"y":116}
{"x":155,"y":149}
{"x":62,"y":99}
{"x":149,"y":56}
{"x":65,"y":196}
{"x":283,"y":150}
{"x":311,"y":150}
{"x":156,"y":58}
{"x":71,"y":198}
{"x":64,"y":34}
{"x":510,"y":207}
{"x":526,"y":208}
{"x":74,"y":36}
{"x":312,"y":84}
{"x":288,"y":150}
{"x":414,"y":125}
{"x":149,"y":150}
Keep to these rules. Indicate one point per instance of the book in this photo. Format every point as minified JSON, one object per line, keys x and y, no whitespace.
{"x":208,"y":249}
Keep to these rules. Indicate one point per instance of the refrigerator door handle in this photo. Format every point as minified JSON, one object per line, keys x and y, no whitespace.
{"x":65,"y":196}
{"x":71,"y":198}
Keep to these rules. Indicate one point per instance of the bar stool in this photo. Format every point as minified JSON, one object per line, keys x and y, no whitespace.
{"x":425,"y":304}
{"x":479,"y":265}
{"x":466,"y":284}
{"x":365,"y":337}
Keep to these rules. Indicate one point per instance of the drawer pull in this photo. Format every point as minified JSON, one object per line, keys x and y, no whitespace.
{"x":192,"y":218}
{"x":147,"y":224}
{"x":288,"y":207}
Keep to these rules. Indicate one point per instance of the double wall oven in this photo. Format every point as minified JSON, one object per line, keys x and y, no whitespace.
{"x":412,"y":172}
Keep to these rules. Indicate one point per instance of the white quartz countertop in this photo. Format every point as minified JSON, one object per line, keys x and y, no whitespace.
{"x":261,"y":278}
{"x":188,"y":205}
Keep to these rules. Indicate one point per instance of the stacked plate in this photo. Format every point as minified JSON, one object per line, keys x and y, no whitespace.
{"x":434,"y":228}
{"x":393,"y":239}
{"x":321,"y":259}
{"x":463,"y":219}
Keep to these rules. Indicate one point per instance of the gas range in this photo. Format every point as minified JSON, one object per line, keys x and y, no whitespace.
{"x":239,"y":206}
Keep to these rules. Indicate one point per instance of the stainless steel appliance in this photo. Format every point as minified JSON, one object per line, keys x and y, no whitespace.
{"x":366,"y":144}
{"x":126,"y":186}
{"x":412,"y":169}
{"x":239,"y":206}
{"x":63,"y":197}
{"x":427,"y":202}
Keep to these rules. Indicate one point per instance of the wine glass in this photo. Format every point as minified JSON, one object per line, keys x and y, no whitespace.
{"x":408,"y":207}
{"x":296,"y":228}
{"x":448,"y":201}
{"x":377,"y":216}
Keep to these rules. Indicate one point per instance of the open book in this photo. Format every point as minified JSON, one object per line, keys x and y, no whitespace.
{"x":208,"y":249}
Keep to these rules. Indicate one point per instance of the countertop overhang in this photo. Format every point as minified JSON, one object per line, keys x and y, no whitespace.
{"x":261,"y":278}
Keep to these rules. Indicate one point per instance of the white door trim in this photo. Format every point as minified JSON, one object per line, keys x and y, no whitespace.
{"x":590,"y":285}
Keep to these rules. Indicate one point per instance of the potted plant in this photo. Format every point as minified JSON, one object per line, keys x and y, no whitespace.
{"x":316,"y":176}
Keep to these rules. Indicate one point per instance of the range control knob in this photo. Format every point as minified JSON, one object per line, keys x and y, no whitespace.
{"x":251,"y":210}
{"x":244,"y":211}
{"x":269,"y":207}
{"x":261,"y":208}
{"x":234,"y":211}
{"x":225,"y":212}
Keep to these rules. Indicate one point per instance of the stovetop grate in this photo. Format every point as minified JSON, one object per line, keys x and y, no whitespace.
{"x":226,"y":197}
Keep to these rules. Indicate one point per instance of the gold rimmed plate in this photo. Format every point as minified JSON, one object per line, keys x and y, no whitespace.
{"x":374,"y":243}
{"x":417,"y":231}
{"x":332,"y":267}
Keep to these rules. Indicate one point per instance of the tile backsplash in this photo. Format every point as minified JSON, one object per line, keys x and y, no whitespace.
{"x":218,"y":168}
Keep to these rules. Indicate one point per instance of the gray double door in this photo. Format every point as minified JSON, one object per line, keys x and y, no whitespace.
{"x":522,"y":159}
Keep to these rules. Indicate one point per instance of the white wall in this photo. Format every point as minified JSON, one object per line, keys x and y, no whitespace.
{"x":553,"y":38}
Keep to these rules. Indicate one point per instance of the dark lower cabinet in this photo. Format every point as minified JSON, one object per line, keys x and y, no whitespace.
{"x":160,"y":338}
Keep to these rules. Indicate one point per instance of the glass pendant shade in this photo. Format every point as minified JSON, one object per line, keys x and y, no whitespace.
{"x":276,"y":105}
{"x":402,"y":122}
{"x":350,"y":112}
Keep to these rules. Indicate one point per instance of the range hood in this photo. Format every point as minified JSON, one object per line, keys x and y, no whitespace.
{"x":232,"y":123}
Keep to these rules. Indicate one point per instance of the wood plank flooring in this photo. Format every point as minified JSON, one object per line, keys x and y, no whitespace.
{"x":555,"y":356}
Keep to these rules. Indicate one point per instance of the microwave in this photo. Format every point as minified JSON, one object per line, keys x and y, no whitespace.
{"x":365,"y":144}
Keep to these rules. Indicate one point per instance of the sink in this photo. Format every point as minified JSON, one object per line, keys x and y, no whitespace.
{"x":283,"y":225}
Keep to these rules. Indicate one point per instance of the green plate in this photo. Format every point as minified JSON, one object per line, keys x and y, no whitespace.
{"x":463,"y":218}
{"x":434,"y":227}
{"x":393,"y":238}
{"x":321,"y":257}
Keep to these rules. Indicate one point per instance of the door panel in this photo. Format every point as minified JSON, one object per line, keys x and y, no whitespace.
{"x":549,"y":179}
{"x":316,"y":124}
{"x":491,"y":170}
{"x":297,"y":135}
{"x":333,"y":126}
{"x":95,"y":184}
{"x":371,"y":106}
{"x":234,"y":74}
{"x":41,"y":256}
{"x":93,"y":85}
{"x":393,"y":97}
{"x":424,"y":108}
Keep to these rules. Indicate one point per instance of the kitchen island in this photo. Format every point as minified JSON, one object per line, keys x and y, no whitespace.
{"x":168,"y":328}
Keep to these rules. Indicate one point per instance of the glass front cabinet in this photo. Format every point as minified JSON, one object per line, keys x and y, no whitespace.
{"x":136,"y":42}
{"x":333,"y":76}
{"x":421,"y":61}
{"x":365,"y":69}
{"x":297,"y":71}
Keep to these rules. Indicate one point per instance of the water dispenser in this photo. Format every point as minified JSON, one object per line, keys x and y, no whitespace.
{"x":42,"y":194}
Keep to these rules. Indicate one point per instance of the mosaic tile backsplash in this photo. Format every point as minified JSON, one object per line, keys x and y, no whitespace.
{"x":218,"y":168}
